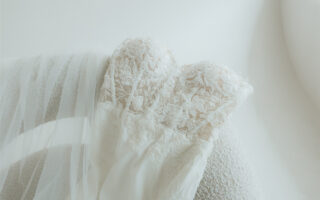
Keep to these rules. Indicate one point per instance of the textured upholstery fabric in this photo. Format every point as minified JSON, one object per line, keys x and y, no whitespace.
{"x":228,"y":175}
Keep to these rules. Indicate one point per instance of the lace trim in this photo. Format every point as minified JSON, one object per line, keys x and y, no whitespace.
{"x":203,"y":97}
{"x":192,"y":99}
{"x":137,"y":72}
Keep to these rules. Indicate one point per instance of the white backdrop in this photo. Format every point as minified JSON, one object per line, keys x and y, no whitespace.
{"x":278,"y":126}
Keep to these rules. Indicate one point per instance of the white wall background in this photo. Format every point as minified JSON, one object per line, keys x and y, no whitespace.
{"x":279,"y":126}
{"x":1,"y":28}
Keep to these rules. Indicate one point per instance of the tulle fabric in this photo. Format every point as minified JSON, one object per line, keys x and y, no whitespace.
{"x":42,"y":149}
{"x":57,"y":144}
{"x":148,"y":137}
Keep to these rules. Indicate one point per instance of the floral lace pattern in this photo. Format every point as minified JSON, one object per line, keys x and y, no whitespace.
{"x":191,"y":99}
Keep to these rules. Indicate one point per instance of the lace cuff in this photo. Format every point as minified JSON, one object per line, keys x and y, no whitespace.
{"x":191,"y":99}
{"x":214,"y":92}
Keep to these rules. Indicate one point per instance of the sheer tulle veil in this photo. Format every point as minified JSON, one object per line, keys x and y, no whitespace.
{"x":45,"y":163}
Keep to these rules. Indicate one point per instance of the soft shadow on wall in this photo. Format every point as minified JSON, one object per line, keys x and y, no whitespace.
{"x":301,"y":26}
{"x":289,"y":116}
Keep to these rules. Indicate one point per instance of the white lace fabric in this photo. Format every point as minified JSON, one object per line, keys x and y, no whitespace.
{"x":192,"y":99}
{"x":156,"y":123}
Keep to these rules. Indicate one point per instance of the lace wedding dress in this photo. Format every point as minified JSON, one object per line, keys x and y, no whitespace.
{"x":148,"y":137}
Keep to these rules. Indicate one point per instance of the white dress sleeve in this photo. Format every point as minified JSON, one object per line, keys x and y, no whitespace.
{"x":156,"y":122}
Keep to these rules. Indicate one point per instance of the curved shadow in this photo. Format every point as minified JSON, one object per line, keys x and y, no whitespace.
{"x":287,"y":113}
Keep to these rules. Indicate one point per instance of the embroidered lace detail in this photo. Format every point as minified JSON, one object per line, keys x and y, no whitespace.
{"x":192,"y":99}
{"x":136,"y":73}
{"x":203,"y":97}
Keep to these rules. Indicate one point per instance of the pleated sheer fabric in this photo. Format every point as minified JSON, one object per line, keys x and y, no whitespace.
{"x":147,"y":135}
{"x":42,"y":151}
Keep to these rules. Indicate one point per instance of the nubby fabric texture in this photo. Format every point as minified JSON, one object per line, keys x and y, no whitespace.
{"x":148,"y":136}
{"x":228,"y":174}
